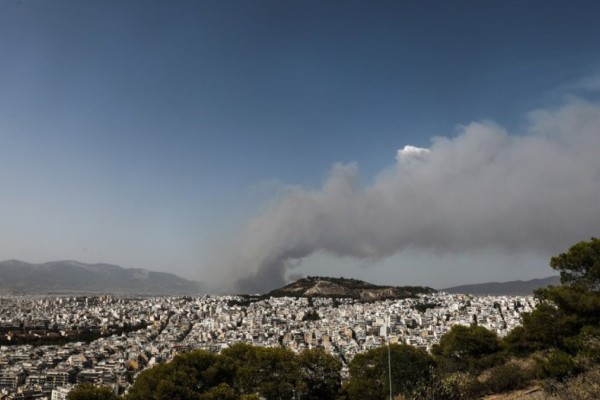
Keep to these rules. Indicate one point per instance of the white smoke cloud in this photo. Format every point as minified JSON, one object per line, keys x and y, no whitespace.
{"x":411,"y":154}
{"x":534,"y":191}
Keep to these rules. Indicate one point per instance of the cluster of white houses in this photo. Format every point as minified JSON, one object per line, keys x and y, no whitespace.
{"x":42,"y":356}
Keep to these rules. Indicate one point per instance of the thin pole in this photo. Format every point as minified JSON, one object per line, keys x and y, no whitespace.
{"x":389,"y":358}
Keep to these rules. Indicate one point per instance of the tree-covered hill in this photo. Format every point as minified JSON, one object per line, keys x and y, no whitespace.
{"x":317,"y":286}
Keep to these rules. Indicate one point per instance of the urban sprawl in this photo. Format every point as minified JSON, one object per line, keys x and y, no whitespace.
{"x":44,"y":354}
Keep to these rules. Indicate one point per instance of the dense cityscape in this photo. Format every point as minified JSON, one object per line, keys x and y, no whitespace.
{"x":50,"y":344}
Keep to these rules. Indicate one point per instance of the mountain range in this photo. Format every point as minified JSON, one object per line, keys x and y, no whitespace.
{"x":512,"y":288}
{"x":76,"y":277}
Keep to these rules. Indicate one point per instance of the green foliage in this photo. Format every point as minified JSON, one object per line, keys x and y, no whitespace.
{"x":461,"y":386}
{"x":311,"y":315}
{"x":545,"y":327}
{"x":321,"y":373}
{"x":369,"y":376}
{"x":589,"y":355}
{"x":580,"y":266}
{"x":188,"y":376}
{"x":507,"y":377}
{"x":563,"y":334}
{"x":274,"y":373}
{"x":242,"y":371}
{"x":467,"y":348}
{"x":566,"y":313}
{"x":579,"y":293}
{"x":88,"y":391}
{"x":422,"y":307}
{"x":518,"y":342}
{"x":583,"y":387}
{"x":579,"y":307}
{"x":352,"y":288}
{"x":555,"y":364}
{"x":350,"y":283}
{"x":454,"y":386}
{"x":220,"y":392}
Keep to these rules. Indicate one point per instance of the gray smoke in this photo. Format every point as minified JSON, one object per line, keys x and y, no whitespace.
{"x":535,"y":191}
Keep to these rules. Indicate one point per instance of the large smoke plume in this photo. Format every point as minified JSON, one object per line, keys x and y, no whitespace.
{"x":538,"y":190}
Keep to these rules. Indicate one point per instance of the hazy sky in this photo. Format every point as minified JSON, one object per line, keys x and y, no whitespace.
{"x":243,"y":143}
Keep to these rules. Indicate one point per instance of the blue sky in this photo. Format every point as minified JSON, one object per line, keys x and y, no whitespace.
{"x":150,"y":134}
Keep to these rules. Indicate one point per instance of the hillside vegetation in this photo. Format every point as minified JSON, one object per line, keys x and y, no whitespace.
{"x":317,"y":286}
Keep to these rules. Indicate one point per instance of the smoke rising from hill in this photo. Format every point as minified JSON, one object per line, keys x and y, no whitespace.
{"x":534,"y":191}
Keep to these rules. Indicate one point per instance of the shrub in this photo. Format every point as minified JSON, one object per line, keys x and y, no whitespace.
{"x":454,"y":386}
{"x":507,"y":377}
{"x":555,"y":364}
{"x":583,"y":387}
{"x":88,"y":391}
{"x":462,"y":386}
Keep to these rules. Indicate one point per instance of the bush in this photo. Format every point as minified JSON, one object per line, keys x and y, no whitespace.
{"x":583,"y":387}
{"x":462,"y":386}
{"x":88,"y":391}
{"x":455,"y":386}
{"x":507,"y":377}
{"x":589,"y":355}
{"x":555,"y":364}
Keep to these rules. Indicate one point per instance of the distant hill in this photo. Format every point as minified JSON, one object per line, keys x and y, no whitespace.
{"x":75,"y":277}
{"x":504,"y":288}
{"x":316,"y":286}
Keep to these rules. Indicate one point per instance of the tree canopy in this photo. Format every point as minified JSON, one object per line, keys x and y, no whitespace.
{"x":194,"y":375}
{"x":242,"y":371}
{"x":580,"y":265}
{"x":467,"y":348}
{"x":88,"y":391}
{"x":369,"y":373}
{"x":569,"y":312}
{"x":321,"y":373}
